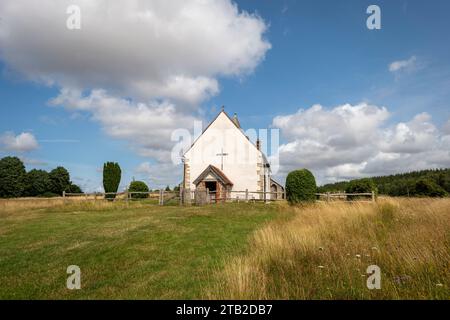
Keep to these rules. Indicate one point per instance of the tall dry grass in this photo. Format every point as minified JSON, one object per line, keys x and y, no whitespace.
{"x":26,"y":205}
{"x":322,"y":252}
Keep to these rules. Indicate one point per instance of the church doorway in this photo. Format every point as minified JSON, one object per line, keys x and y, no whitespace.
{"x":216,"y":182}
{"x":212,"y":187}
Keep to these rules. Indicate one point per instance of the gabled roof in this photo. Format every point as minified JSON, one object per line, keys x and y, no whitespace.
{"x":216,"y":172}
{"x":238,"y":126}
{"x":274,"y":182}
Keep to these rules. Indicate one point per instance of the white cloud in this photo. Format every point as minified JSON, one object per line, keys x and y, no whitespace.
{"x":415,"y":136}
{"x":355,"y":141}
{"x":142,"y":49}
{"x":23,"y":142}
{"x":408,"y":64}
{"x":139,"y":68}
{"x":446,"y":127}
{"x":146,"y":126}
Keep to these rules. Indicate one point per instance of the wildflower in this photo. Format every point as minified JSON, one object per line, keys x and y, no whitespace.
{"x":321,"y":267}
{"x":374,"y":248}
{"x":358,"y":256}
{"x":320,"y":248}
{"x":439,"y":284}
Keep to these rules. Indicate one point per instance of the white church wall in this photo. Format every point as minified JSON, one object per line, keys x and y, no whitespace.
{"x":240,"y":163}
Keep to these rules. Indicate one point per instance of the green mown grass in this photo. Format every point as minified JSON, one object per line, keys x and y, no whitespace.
{"x":229,"y":251}
{"x":141,"y":251}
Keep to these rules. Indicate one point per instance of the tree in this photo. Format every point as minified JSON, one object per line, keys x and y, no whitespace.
{"x":300,"y":186}
{"x":167,"y":188}
{"x":428,"y":188}
{"x":138,"y":186}
{"x":364,"y":185}
{"x":73,"y":188}
{"x":12,"y":177}
{"x":402,"y":184}
{"x":38,"y":182}
{"x":444,"y":181}
{"x":111,"y":178}
{"x":60,"y":180}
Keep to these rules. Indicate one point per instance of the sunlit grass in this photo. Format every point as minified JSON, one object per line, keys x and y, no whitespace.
{"x":233,"y":251}
{"x":323,"y":251}
{"x":136,"y":250}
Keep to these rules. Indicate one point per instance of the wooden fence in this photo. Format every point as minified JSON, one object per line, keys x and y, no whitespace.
{"x":347,"y":196}
{"x":161,"y":197}
{"x":183,"y":196}
{"x":205,"y":196}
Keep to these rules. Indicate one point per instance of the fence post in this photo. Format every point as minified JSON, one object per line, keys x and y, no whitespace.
{"x":181,"y":195}
{"x":126,"y":196}
{"x":246,"y":195}
{"x":328,"y":196}
{"x":373,"y":196}
{"x":64,"y":193}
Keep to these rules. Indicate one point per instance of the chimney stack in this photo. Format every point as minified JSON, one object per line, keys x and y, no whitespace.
{"x":236,"y":121}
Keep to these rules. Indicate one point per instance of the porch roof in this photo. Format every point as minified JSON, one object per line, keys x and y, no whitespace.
{"x":216,"y":172}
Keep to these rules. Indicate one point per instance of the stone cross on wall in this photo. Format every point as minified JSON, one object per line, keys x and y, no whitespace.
{"x":222,"y":154}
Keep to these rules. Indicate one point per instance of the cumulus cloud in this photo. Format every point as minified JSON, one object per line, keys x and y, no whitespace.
{"x":446,"y":127}
{"x":23,"y":142}
{"x":143,"y":49}
{"x":146,"y":126}
{"x":139,"y":68}
{"x":400,"y":65}
{"x":351,"y":141}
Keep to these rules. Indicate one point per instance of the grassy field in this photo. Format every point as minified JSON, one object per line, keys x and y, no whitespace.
{"x":140,"y":251}
{"x":323,"y":251}
{"x":242,"y":250}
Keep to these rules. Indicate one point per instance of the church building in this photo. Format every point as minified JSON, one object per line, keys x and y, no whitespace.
{"x":225,"y":162}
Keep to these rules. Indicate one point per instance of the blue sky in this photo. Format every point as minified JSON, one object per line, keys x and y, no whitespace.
{"x":321,"y":52}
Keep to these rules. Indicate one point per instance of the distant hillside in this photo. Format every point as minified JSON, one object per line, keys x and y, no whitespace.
{"x":404,"y":184}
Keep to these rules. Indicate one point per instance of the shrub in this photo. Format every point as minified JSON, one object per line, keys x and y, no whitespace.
{"x":12,"y":177}
{"x":111,"y":178}
{"x":38,"y":182}
{"x":300,"y":186}
{"x":138,"y":186}
{"x":428,"y":188}
{"x":73,"y":188}
{"x":365,"y":185}
{"x":60,"y":180}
